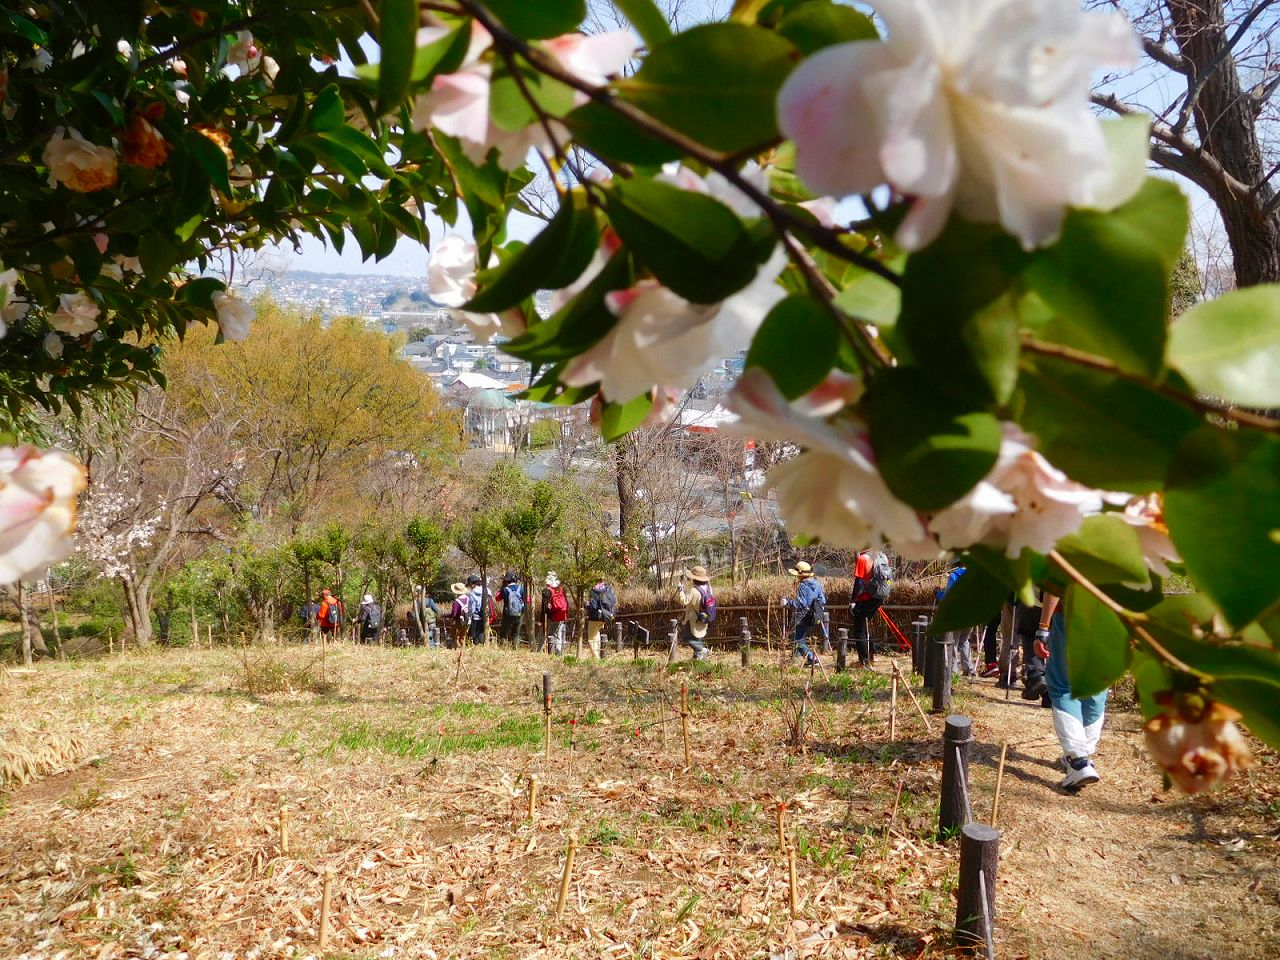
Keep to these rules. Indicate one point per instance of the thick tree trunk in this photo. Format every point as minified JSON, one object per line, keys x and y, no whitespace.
{"x":625,"y":477}
{"x":1225,"y":118}
{"x":137,"y":598}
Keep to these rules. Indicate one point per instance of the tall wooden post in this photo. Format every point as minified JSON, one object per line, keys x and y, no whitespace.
{"x":674,"y":636}
{"x":842,"y":649}
{"x":976,"y":901}
{"x":617,"y":637}
{"x":684,"y":724}
{"x":826,"y":632}
{"x":919,"y":644}
{"x":940,"y":668}
{"x":953,"y":811}
{"x":546,"y":713}
{"x":744,"y":643}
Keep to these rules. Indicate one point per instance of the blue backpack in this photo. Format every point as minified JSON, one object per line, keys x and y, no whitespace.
{"x":707,"y":609}
{"x":513,"y":602}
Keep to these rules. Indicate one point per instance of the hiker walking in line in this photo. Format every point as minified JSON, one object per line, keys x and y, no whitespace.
{"x":511,"y":596}
{"x":555,"y":613}
{"x":425,"y":617}
{"x":1026,"y":624}
{"x":307,"y":614}
{"x":1076,"y":720}
{"x":602,"y":607}
{"x":872,"y":584}
{"x":369,"y":617}
{"x":808,"y":605}
{"x":331,"y":616}
{"x":699,"y":604}
{"x":459,"y":613}
{"x":481,"y":609}
{"x":962,"y":658}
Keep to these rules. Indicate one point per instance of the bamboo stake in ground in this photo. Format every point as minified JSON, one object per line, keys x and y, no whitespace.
{"x":533,"y":797}
{"x":782,"y":826}
{"x":893,"y":705}
{"x":567,"y":877}
{"x":546,"y":711}
{"x":919,"y":709}
{"x":684,"y":723}
{"x":111,"y":643}
{"x":210,"y":636}
{"x":284,"y":830}
{"x":995,"y":803}
{"x":325,"y":894}
{"x":792,"y":893}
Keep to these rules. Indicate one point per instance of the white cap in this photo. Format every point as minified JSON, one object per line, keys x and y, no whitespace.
{"x":368,"y":598}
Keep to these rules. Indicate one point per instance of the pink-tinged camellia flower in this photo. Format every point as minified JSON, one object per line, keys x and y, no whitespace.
{"x":451,"y":280}
{"x":53,"y":345}
{"x":38,"y":493}
{"x":78,"y":164}
{"x":661,"y":338}
{"x":234,"y":314}
{"x":1146,"y":515}
{"x":1024,"y":502}
{"x":8,"y":281}
{"x":981,"y":106}
{"x":832,"y":489}
{"x":244,"y":53}
{"x":458,"y":102}
{"x":77,"y":314}
{"x":1198,"y":745}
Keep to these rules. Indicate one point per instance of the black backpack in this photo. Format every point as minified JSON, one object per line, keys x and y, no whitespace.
{"x":375,"y":616}
{"x":602,"y":603}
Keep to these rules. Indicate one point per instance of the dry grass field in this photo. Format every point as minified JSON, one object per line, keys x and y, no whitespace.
{"x":406,"y":774}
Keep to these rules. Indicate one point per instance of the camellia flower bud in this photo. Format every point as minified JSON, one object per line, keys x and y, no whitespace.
{"x":1197,"y":743}
{"x":144,"y":146}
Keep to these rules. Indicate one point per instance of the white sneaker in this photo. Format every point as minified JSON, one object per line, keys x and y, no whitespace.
{"x":1075,"y":779}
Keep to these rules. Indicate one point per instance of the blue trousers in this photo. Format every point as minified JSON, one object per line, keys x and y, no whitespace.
{"x":1076,"y":720}
{"x":801,"y":633}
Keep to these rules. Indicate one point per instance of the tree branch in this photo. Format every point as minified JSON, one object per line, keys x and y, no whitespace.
{"x":1220,"y":57}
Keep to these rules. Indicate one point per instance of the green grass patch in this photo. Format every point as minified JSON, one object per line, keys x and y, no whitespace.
{"x":513,"y":731}
{"x":720,"y":818}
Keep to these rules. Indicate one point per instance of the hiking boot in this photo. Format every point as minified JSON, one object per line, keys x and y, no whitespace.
{"x":1079,"y":776}
{"x":1045,"y":701}
{"x":812,"y":661}
{"x":1035,"y":690}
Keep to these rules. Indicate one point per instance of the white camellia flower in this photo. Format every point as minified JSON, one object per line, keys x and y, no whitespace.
{"x":1146,"y":515}
{"x":451,"y":280}
{"x":832,"y":489}
{"x":1024,"y":502}
{"x":38,"y":493}
{"x":981,"y":106}
{"x":244,"y":53}
{"x":77,"y":314}
{"x":458,"y":103}
{"x":660,"y":338}
{"x":124,"y":48}
{"x":38,"y":62}
{"x":78,"y":164}
{"x":53,"y":345}
{"x":8,"y":280}
{"x":129,"y":264}
{"x":234,"y":314}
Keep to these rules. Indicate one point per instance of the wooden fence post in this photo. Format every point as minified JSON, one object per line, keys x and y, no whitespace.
{"x":546,"y":711}
{"x":842,"y":649}
{"x":942,"y":674}
{"x":953,"y":811}
{"x":826,"y":632}
{"x":744,"y":643}
{"x":919,"y":644}
{"x":674,"y":636}
{"x":684,"y":724}
{"x":617,"y":637}
{"x":976,"y":902}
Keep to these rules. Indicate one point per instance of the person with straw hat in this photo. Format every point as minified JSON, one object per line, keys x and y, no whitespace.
{"x":808,"y":604}
{"x":460,"y":612}
{"x":699,"y":605}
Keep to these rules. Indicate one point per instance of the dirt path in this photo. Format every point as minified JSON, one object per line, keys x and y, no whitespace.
{"x":1123,"y":869}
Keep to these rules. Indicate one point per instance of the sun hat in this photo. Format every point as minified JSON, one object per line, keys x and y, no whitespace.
{"x":801,"y":569}
{"x":552,"y":579}
{"x":367,"y":598}
{"x":458,"y":589}
{"x":699,"y":574}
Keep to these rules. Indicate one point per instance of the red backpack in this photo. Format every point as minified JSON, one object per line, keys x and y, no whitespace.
{"x":559,"y":604}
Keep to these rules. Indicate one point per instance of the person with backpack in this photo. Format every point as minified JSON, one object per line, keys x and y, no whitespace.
{"x":482,"y":609}
{"x":555,"y":613}
{"x":425,"y":617}
{"x":808,"y":606}
{"x":331,"y":616}
{"x":699,"y":604}
{"x":369,"y":617}
{"x":459,"y":612}
{"x":511,"y":596}
{"x":872,"y":584}
{"x":602,"y":607}
{"x":962,"y":661}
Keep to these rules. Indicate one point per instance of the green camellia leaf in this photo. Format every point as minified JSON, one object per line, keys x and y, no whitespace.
{"x":328,"y":112}
{"x":1106,"y":550}
{"x":1230,"y":346}
{"x":812,"y":26}
{"x":1107,"y":277}
{"x":612,"y":137}
{"x":397,"y":33}
{"x":930,"y":449}
{"x":693,"y":243}
{"x":1151,"y":679}
{"x":619,"y":419}
{"x":976,"y":598}
{"x":1098,"y":650}
{"x":716,"y":83}
{"x":1222,"y":506}
{"x":1256,"y":699}
{"x":1103,"y":431}
{"x":649,"y":21}
{"x":553,"y":259}
{"x":582,"y":322}
{"x":957,"y":317}
{"x":443,"y":56}
{"x":798,"y":318}
{"x":210,"y":158}
{"x":509,"y":107}
{"x":199,"y":292}
{"x":539,"y":19}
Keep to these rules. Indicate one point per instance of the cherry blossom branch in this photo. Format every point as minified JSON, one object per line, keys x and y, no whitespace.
{"x":1196,"y":404}
{"x":1133,"y":622}
{"x":818,"y":235}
